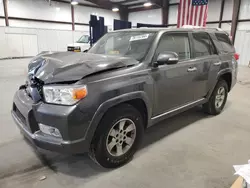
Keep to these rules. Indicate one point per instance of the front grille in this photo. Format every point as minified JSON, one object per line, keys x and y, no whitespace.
{"x":71,"y":48}
{"x":35,"y":85}
{"x":19,"y":114}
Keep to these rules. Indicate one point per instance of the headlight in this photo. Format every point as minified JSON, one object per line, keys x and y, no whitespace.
{"x":77,"y":48}
{"x":62,"y":94}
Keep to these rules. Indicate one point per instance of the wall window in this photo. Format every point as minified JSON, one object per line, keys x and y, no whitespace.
{"x":225,"y":42}
{"x":175,"y":42}
{"x":203,"y":45}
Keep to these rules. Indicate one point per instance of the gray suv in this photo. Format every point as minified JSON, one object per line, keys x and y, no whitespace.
{"x":102,"y":101}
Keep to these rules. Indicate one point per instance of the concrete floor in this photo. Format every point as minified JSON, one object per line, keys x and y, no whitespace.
{"x":189,"y":150}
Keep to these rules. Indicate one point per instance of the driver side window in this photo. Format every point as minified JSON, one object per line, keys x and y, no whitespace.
{"x":175,"y":42}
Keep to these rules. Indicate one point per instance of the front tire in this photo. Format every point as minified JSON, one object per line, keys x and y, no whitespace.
{"x":117,"y":137}
{"x":218,"y":99}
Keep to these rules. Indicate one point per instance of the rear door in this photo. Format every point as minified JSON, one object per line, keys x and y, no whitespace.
{"x":227,"y":54}
{"x":206,"y":61}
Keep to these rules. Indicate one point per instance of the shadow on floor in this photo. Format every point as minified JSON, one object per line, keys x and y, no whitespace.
{"x":171,"y":125}
{"x":82,"y":166}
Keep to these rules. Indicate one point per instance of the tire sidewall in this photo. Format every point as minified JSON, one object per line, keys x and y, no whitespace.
{"x":223,"y":84}
{"x":102,"y":155}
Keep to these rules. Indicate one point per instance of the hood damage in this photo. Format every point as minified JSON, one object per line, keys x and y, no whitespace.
{"x":70,"y":66}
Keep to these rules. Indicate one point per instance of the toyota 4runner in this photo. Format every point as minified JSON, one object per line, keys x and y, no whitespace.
{"x":102,"y":101}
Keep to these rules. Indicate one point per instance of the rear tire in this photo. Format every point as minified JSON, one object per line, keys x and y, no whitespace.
{"x":218,"y":99}
{"x":117,"y":137}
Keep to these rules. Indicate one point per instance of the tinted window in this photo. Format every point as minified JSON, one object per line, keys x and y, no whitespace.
{"x":225,"y":42}
{"x":176,"y":42}
{"x":203,"y":45}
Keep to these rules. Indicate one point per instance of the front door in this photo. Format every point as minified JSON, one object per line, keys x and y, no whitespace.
{"x":173,"y":84}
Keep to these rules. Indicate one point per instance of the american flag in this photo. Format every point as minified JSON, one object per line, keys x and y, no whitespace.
{"x":192,"y":12}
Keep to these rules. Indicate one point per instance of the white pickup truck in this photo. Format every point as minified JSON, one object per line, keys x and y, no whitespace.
{"x":82,"y":45}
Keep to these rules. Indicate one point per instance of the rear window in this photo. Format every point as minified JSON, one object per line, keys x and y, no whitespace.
{"x":224,"y":40}
{"x":203,"y":45}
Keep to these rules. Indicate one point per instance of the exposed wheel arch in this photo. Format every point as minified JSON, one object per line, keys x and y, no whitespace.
{"x":228,"y":78}
{"x":140,"y":105}
{"x":138,"y":100}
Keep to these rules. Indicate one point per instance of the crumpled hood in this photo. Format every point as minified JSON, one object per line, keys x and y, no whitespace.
{"x":70,"y":66}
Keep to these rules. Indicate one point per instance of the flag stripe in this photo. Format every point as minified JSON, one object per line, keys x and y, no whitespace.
{"x":188,"y":15}
{"x":191,"y":16}
{"x":205,"y":16}
{"x":179,"y":14}
{"x":195,"y":15}
{"x":183,"y":11}
{"x":201,"y":13}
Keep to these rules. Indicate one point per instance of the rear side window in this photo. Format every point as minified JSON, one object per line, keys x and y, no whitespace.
{"x":175,"y":42}
{"x":203,"y":45}
{"x":225,"y":42}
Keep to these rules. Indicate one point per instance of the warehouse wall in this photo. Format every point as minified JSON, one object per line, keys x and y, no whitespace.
{"x":147,"y":16}
{"x":2,"y":23}
{"x":18,"y":42}
{"x":242,"y":41}
{"x":154,"y":16}
{"x":40,"y":9}
{"x":27,"y":38}
{"x":82,"y":15}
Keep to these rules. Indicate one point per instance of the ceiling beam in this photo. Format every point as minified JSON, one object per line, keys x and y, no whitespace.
{"x":103,"y":3}
{"x":141,"y":4}
{"x":158,"y":2}
{"x":144,"y":8}
{"x":79,"y":4}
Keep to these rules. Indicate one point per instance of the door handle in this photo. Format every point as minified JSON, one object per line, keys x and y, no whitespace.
{"x":217,"y":63}
{"x":192,"y":69}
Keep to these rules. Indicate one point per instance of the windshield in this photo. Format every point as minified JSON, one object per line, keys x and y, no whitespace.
{"x":124,"y":43}
{"x":83,"y":39}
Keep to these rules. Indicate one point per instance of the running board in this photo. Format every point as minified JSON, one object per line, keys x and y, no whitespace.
{"x":175,"y":111}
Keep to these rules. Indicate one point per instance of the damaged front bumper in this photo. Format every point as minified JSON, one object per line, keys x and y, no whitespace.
{"x":69,"y":120}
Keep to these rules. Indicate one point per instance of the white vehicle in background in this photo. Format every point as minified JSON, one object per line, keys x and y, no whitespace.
{"x":82,"y":45}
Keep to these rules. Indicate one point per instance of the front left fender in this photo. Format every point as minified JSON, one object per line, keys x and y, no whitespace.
{"x":105,"y":106}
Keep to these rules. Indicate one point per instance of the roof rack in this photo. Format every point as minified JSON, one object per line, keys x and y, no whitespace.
{"x":199,"y":27}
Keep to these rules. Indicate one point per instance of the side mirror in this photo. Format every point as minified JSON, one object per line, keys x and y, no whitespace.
{"x":168,"y":58}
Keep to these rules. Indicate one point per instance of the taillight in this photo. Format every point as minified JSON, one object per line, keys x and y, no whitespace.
{"x":237,"y":56}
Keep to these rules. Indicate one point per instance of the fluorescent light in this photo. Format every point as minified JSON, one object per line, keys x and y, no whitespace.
{"x":115,"y":9}
{"x":147,"y":4}
{"x":57,"y":8}
{"x":74,"y":2}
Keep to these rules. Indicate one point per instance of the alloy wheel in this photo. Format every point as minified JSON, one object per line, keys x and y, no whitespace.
{"x":220,"y":97}
{"x":121,"y":137}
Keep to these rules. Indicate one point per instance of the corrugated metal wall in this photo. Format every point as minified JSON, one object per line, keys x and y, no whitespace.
{"x":19,"y":42}
{"x":242,"y":45}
